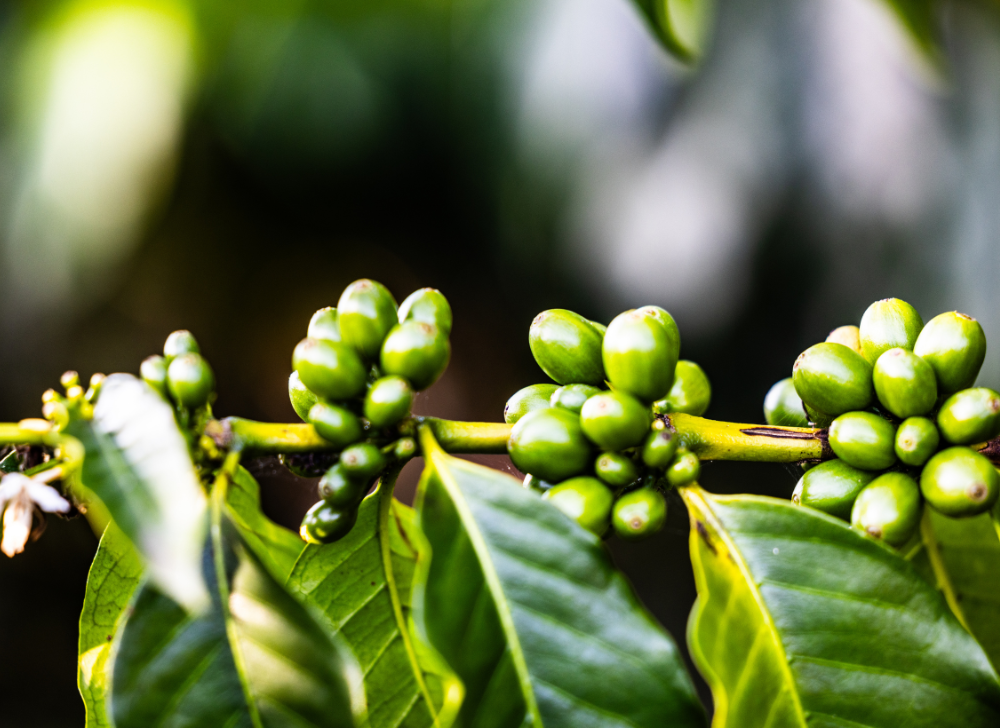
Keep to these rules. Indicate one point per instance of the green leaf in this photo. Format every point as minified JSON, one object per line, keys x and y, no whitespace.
{"x":920,"y":21}
{"x":681,"y":25}
{"x":137,"y":462}
{"x":802,"y":620}
{"x":527,"y":608}
{"x":256,"y":657}
{"x":962,"y":558}
{"x":115,"y":574}
{"x":274,"y":545}
{"x":362,"y":584}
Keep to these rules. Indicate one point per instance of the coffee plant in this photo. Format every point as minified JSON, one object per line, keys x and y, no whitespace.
{"x":870,"y":598}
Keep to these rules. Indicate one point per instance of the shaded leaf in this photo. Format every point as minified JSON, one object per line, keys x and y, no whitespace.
{"x":362,"y":584}
{"x":115,"y":574}
{"x":801,"y":620}
{"x":276,"y":546}
{"x":962,"y":558}
{"x":256,"y":657}
{"x":527,"y":608}
{"x":137,"y":462}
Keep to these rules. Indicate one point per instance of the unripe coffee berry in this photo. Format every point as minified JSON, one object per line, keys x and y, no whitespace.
{"x":832,"y":487}
{"x":690,"y":393}
{"x":970,"y":416}
{"x":955,"y":346}
{"x":178,"y":343}
{"x":614,"y":420}
{"x":659,"y":449}
{"x":640,"y":353}
{"x":366,"y":312}
{"x":960,"y":482}
{"x":387,"y":401}
{"x":153,"y":371}
{"x":335,"y":424}
{"x":342,"y":489}
{"x":888,"y":324}
{"x":864,"y":440}
{"x":639,"y":514}
{"x":888,"y":508}
{"x":190,"y":380}
{"x":615,"y":469}
{"x":416,"y":351}
{"x":324,"y":523}
{"x":528,"y":399}
{"x":567,"y":347}
{"x":916,"y":440}
{"x":849,"y":336}
{"x":329,"y":369}
{"x":684,"y":470}
{"x":586,"y":500}
{"x":362,"y":461}
{"x":301,"y":397}
{"x":833,"y":379}
{"x":572,"y":396}
{"x":550,"y":444}
{"x":783,"y":406}
{"x":904,"y":383}
{"x":324,"y":325}
{"x":429,"y":306}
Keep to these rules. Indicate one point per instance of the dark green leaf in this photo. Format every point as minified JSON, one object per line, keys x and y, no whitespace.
{"x":681,"y":25}
{"x":274,"y":545}
{"x":256,"y":657}
{"x":528,"y":609}
{"x":962,"y":558}
{"x":802,"y":620}
{"x":920,"y":20}
{"x":115,"y":574}
{"x":362,"y":584}
{"x":137,"y":462}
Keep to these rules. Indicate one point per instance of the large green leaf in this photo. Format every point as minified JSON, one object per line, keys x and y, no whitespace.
{"x":803,"y":621}
{"x":527,"y":608}
{"x":274,"y":545}
{"x":362,"y":584}
{"x":115,"y":574}
{"x":962,"y":558}
{"x":256,"y":657}
{"x":137,"y":462}
{"x":681,"y":25}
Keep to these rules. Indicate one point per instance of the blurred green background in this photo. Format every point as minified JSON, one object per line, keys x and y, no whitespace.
{"x":230,"y":167}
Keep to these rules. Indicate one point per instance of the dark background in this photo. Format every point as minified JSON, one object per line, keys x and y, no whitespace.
{"x":433,"y":144}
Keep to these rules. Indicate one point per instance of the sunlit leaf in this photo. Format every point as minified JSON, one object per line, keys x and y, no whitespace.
{"x":803,"y":621}
{"x":527,"y":608}
{"x":362,"y":584}
{"x":681,"y":25}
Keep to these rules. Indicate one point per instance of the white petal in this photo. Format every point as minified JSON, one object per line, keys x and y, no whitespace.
{"x":47,"y":498}
{"x":16,"y":526}
{"x":12,"y":485}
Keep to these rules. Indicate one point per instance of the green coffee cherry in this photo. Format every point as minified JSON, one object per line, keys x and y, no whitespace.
{"x":864,"y":440}
{"x":329,"y":369}
{"x":832,"y":487}
{"x":428,"y":306}
{"x":324,"y":325}
{"x":889,"y":324}
{"x":690,"y":393}
{"x":406,"y":448}
{"x":684,"y":470}
{"x":904,"y":383}
{"x":324,"y":523}
{"x":888,"y":508}
{"x":833,"y":379}
{"x":660,"y":448}
{"x":178,"y":343}
{"x":614,"y":420}
{"x":970,"y":416}
{"x":639,"y":514}
{"x":616,"y":469}
{"x":335,"y":424}
{"x":536,"y":484}
{"x":567,"y":347}
{"x":572,"y":396}
{"x":550,"y":444}
{"x":366,"y":312}
{"x":362,"y":461}
{"x":529,"y":399}
{"x":301,"y":397}
{"x":916,"y":440}
{"x":341,"y":489}
{"x":640,"y":353}
{"x":190,"y":380}
{"x":955,"y":346}
{"x":960,"y":482}
{"x":153,"y":371}
{"x":586,"y":500}
{"x":388,"y":401}
{"x":849,"y":336}
{"x":783,"y":407}
{"x":416,"y":351}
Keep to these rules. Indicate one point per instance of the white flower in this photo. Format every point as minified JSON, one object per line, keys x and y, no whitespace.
{"x":19,"y":495}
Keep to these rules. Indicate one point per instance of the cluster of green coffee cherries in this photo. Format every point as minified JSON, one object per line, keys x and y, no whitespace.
{"x":592,"y":443}
{"x":902,"y":413}
{"x":354,"y":379}
{"x":181,"y":376}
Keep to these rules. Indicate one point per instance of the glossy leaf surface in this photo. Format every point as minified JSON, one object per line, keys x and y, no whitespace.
{"x":528,"y":609}
{"x":256,"y":657}
{"x":276,"y":546}
{"x":681,"y":25}
{"x":137,"y":463}
{"x":115,"y":574}
{"x":803,"y":621}
{"x":962,"y":558}
{"x":362,"y":584}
